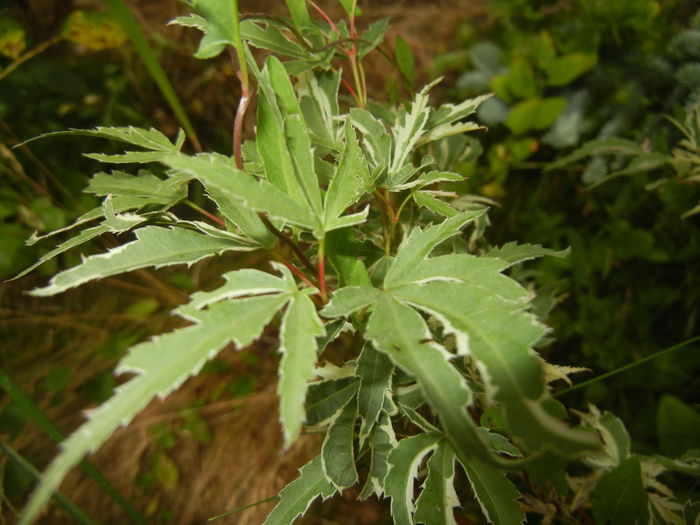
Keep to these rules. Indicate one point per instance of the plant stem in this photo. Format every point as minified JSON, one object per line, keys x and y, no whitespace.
{"x":322,"y":268}
{"x":630,"y":365}
{"x":244,"y":101}
{"x":30,"y":54}
{"x":292,"y":268}
{"x":289,"y":242}
{"x":204,"y":212}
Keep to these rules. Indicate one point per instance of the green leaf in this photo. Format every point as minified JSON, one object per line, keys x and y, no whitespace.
{"x":404,"y":461}
{"x":678,"y":426}
{"x":535,"y":113}
{"x":338,"y":449}
{"x":343,"y":251}
{"x":149,"y":139}
{"x":350,"y":181}
{"x":222,"y":179}
{"x":325,"y":399}
{"x":144,"y":185}
{"x":521,"y":79}
{"x":375,"y":139}
{"x":418,"y":245}
{"x":300,"y":13}
{"x":619,"y":496}
{"x":154,"y":246}
{"x":514,"y":253}
{"x":610,"y":146}
{"x":438,"y":498}
{"x":375,"y":371}
{"x":496,"y":495}
{"x":427,"y":200}
{"x":565,"y":69}
{"x":296,"y":497}
{"x":373,"y":36}
{"x":407,"y":131}
{"x":300,"y":326}
{"x":350,"y":299}
{"x":381,"y":442}
{"x":268,"y":36}
{"x":498,"y":334}
{"x":240,"y":283}
{"x":482,"y":272}
{"x":162,"y":365}
{"x":83,"y":237}
{"x":218,"y":21}
{"x":405,"y":61}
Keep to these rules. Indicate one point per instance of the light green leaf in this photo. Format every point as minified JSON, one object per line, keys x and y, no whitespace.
{"x":431,"y":177}
{"x":417,"y":419}
{"x":404,"y":461}
{"x":218,"y":21}
{"x":375,"y":371}
{"x":564,"y":69}
{"x":495,"y":493}
{"x":325,"y":399}
{"x":343,"y":251}
{"x":482,"y":272}
{"x":381,"y":442}
{"x":403,"y":335}
{"x":678,"y":426}
{"x":514,"y":253}
{"x":405,"y":61}
{"x":273,"y":151}
{"x":338,"y":449}
{"x":375,"y":139}
{"x":149,"y":139}
{"x":162,"y":365}
{"x":520,"y":79}
{"x":153,"y":246}
{"x":407,"y":132}
{"x":350,"y":299}
{"x":83,"y":237}
{"x":300,"y":13}
{"x":350,"y":181}
{"x":300,"y":326}
{"x":238,"y":284}
{"x":266,"y":35}
{"x":145,"y":184}
{"x":609,"y":146}
{"x":418,"y":245}
{"x":347,"y":220}
{"x":222,"y":179}
{"x":373,"y":36}
{"x":244,"y":218}
{"x":296,"y":497}
{"x":319,"y":103}
{"x":438,"y":498}
{"x":498,"y":334}
{"x":429,"y":201}
{"x":619,"y":496}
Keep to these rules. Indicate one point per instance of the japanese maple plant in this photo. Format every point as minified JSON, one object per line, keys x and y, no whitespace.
{"x":364,"y":247}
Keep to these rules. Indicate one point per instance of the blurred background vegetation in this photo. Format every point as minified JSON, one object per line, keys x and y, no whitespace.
{"x":593,"y":144}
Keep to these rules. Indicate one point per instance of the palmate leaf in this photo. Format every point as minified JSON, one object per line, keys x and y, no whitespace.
{"x":438,"y":498}
{"x":162,"y":365}
{"x":498,"y":334}
{"x":296,"y":497}
{"x":514,"y":253}
{"x":325,"y":399}
{"x":145,"y":184}
{"x":219,"y":23}
{"x":154,"y":246}
{"x":404,"y":461}
{"x":300,"y":327}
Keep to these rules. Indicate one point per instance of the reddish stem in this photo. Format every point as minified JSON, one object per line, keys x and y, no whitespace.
{"x":298,"y":273}
{"x":349,"y":88}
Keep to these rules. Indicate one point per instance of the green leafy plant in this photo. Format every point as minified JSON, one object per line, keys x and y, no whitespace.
{"x":367,"y":261}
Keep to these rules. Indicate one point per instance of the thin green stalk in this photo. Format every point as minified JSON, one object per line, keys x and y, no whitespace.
{"x":67,"y":505}
{"x":29,"y":55}
{"x":33,"y":413}
{"x":126,"y":20}
{"x":630,"y":365}
{"x":239,"y":509}
{"x":322,"y":269}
